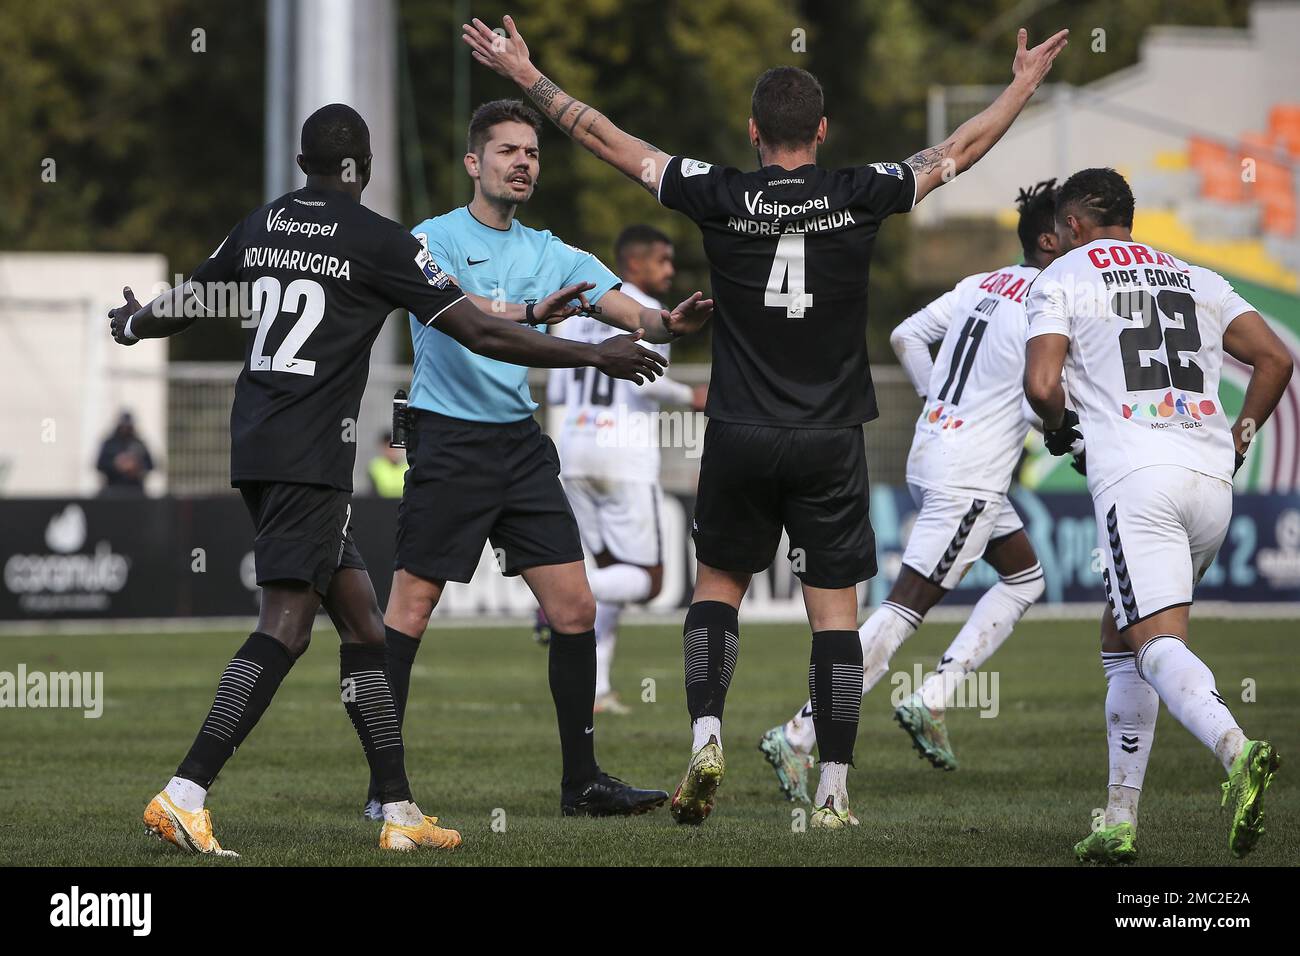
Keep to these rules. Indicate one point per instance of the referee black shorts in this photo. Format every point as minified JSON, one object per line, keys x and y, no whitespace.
{"x":303,"y":532}
{"x":474,"y":482}
{"x":756,"y":479}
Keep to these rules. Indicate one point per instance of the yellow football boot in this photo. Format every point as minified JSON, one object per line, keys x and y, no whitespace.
{"x":192,"y":832}
{"x":403,"y":839}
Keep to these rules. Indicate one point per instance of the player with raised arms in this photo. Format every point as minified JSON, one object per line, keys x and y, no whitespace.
{"x":968,"y":442}
{"x":324,"y":273}
{"x":789,"y":245}
{"x":1141,"y":336}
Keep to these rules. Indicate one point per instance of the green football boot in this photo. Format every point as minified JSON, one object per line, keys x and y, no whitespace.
{"x":693,"y":800}
{"x":928,"y":733}
{"x":835,"y":815}
{"x":791,"y":766}
{"x":1113,"y":844}
{"x":1249,"y":777}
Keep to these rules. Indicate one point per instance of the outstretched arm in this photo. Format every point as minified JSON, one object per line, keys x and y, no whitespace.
{"x":975,"y":137}
{"x":617,"y":357}
{"x":659,"y":325}
{"x":584,"y":124}
{"x":163,"y":316}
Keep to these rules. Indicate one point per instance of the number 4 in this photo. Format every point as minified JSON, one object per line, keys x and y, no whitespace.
{"x":788,"y":274}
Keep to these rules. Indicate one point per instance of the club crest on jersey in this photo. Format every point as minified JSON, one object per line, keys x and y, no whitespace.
{"x":693,"y":167}
{"x":889,"y":169}
{"x":437,"y":278}
{"x":1169,"y":406}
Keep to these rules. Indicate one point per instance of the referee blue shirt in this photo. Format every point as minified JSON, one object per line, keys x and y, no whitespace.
{"x":510,"y":265}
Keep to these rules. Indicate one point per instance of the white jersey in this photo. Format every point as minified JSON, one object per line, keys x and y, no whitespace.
{"x":972,"y":429}
{"x":1146,"y":349}
{"x":610,"y":427}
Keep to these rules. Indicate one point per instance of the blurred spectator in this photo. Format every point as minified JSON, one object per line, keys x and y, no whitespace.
{"x":387,"y":470}
{"x":123,"y":459}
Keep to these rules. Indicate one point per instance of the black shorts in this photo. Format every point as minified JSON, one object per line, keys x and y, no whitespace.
{"x":473,"y":482}
{"x":754,"y":479}
{"x":303,"y":532}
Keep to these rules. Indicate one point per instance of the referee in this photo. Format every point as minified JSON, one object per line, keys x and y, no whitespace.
{"x":482,"y":469}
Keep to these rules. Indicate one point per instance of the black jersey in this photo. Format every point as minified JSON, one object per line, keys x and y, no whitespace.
{"x":789,"y":251}
{"x":317,"y":274}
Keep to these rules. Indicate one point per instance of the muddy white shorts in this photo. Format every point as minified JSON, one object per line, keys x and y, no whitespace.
{"x":1158,"y":529}
{"x":951,"y":532}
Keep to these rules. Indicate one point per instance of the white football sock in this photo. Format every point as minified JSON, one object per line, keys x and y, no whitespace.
{"x":607,"y":616}
{"x":704,"y":728}
{"x":1186,"y":686}
{"x":799,"y":730}
{"x":882,"y":634}
{"x":989,"y":624}
{"x":186,"y":794}
{"x":1131,"y":709}
{"x":833,"y":783}
{"x":403,"y":814}
{"x":620,"y":583}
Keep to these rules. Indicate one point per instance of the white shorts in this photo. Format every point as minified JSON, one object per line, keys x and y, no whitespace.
{"x":1158,"y":529}
{"x":621,"y":517}
{"x":951,"y":532}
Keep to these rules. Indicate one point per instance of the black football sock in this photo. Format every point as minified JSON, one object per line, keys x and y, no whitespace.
{"x":572,"y":670}
{"x":246,"y":687}
{"x":835,"y":689}
{"x":363,"y":681}
{"x":710,"y":643}
{"x":401,"y":649}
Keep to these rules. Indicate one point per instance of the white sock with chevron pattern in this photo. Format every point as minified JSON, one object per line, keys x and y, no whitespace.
{"x":1131,"y":708}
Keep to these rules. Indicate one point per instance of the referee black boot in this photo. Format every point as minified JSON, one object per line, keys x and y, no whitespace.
{"x":608,"y":796}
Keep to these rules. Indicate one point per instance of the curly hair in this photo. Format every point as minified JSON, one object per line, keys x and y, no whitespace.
{"x":1100,"y":195}
{"x":1037,"y":207}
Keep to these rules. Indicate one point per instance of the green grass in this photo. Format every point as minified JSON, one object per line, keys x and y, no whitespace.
{"x":481,"y":737}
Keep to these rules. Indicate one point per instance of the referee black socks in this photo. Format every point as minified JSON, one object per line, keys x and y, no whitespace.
{"x":368,"y":699}
{"x":246,"y":687}
{"x":571,"y":668}
{"x":710,"y":643}
{"x":835,"y":689}
{"x":401,"y":655}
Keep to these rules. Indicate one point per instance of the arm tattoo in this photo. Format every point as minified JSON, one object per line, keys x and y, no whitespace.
{"x":928,"y":160}
{"x":543,"y":92}
{"x":583,"y":112}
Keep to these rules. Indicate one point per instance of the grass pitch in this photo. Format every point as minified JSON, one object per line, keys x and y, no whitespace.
{"x":482,"y":749}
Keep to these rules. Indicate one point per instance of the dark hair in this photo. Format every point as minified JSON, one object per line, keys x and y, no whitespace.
{"x":1037,"y":206}
{"x":1102,"y":195}
{"x":494,"y":112}
{"x":637,"y":235}
{"x":787,"y":106}
{"x":332,"y":135}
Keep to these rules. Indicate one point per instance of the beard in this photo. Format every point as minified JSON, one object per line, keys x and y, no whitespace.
{"x":504,"y":194}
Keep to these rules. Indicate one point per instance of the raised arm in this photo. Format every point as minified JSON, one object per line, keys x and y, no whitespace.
{"x":584,"y":124}
{"x":975,"y":137}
